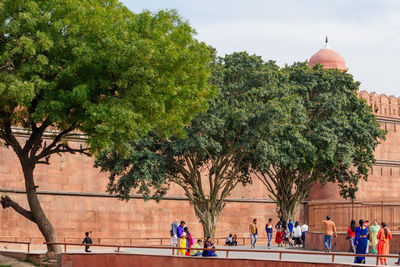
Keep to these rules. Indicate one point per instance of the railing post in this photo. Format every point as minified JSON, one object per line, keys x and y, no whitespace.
{"x":118,"y":249}
{"x":173,"y":250}
{"x":243,"y":241}
{"x":227,"y":253}
{"x":65,"y":247}
{"x":333,"y":258}
{"x":377,"y":261}
{"x":29,"y":247}
{"x":280,"y":256}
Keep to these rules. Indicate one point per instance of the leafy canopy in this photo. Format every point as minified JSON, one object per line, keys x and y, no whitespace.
{"x":96,"y":67}
{"x":216,"y":154}
{"x":330,"y":136}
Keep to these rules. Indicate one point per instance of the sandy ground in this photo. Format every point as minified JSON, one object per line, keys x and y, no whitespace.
{"x":13,"y":262}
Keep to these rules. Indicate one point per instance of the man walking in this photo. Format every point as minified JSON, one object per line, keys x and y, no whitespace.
{"x":87,"y":240}
{"x":253,"y":233}
{"x":269,"y":230}
{"x":330,"y":230}
{"x":173,"y":233}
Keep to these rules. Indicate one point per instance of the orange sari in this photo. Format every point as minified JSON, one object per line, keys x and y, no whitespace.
{"x":383,"y":244}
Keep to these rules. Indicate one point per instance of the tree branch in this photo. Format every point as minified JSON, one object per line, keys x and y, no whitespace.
{"x":46,"y":151}
{"x":6,"y":202}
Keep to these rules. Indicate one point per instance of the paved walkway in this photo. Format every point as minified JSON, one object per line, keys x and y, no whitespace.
{"x":247,"y":255}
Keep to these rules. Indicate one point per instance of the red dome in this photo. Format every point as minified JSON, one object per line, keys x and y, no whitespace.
{"x":329,"y":58}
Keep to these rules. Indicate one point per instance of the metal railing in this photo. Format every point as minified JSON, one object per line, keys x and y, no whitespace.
{"x":280,"y":252}
{"x":132,"y":240}
{"x":19,"y":242}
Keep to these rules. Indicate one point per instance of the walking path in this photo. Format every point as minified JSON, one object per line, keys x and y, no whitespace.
{"x":247,"y":255}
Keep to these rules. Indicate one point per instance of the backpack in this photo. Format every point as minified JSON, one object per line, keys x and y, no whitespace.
{"x":171,"y":232}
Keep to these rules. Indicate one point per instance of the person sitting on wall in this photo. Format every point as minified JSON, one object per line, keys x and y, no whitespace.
{"x":229,"y":240}
{"x":195,"y":252}
{"x":87,"y":240}
{"x":234,"y":240}
{"x":209,"y":244}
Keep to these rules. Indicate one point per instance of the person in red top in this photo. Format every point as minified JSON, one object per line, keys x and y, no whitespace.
{"x":278,"y":237}
{"x":351,"y":234}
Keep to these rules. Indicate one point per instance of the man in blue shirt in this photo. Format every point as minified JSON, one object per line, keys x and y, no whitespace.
{"x":290,"y":226}
{"x":179,"y":232}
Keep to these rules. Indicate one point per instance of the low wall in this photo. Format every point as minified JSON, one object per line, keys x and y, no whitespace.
{"x":315,"y":241}
{"x":106,"y":260}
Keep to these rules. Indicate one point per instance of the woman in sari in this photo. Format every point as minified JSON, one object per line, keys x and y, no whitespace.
{"x":210,"y":245}
{"x":384,"y":235}
{"x":361,"y":241}
{"x":189,"y":240}
{"x":373,"y":232}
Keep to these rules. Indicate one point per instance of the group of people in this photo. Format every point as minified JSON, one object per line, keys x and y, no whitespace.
{"x":231,"y":240}
{"x":290,"y":233}
{"x":183,"y":240}
{"x":361,"y":238}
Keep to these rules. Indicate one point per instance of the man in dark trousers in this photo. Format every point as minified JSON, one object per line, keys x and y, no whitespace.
{"x":87,"y":240}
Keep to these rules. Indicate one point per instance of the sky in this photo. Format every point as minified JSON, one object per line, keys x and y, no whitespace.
{"x":365,"y":32}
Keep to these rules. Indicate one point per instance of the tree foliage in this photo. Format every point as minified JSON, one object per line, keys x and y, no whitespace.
{"x":330,"y":136}
{"x":216,"y":154}
{"x":97,"y":68}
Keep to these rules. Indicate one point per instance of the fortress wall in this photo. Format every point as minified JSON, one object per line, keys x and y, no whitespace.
{"x":119,"y":221}
{"x":109,"y":217}
{"x":92,"y":209}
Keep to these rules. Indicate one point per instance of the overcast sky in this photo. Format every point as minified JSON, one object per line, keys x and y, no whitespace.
{"x":365,"y":32}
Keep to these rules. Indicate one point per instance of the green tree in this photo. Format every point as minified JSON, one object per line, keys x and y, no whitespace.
{"x":214,"y":157}
{"x":330,"y":136}
{"x":92,"y":67}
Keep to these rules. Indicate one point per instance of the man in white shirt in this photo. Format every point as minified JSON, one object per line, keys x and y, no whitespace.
{"x":304,"y":230}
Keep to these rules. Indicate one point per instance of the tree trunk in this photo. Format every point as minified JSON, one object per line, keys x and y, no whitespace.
{"x":209,"y":224}
{"x":208,"y":219}
{"x":285,"y":212}
{"x":44,"y":225}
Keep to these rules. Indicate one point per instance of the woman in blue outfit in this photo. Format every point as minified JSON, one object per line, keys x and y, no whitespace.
{"x":210,"y":245}
{"x":361,"y":241}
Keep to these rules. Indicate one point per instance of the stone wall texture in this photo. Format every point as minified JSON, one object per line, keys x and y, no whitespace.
{"x":73,"y":195}
{"x":105,"y":260}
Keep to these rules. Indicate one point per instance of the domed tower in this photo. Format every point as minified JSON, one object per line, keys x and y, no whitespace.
{"x":329,"y":58}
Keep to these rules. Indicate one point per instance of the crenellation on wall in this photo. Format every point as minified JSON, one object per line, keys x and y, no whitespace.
{"x":382,"y":105}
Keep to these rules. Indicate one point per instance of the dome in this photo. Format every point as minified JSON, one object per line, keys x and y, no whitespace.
{"x":329,"y":58}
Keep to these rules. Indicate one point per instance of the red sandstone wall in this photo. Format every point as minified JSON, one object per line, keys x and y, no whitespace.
{"x":107,"y":217}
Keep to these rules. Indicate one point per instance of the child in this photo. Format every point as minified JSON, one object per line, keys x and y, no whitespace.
{"x":234,"y":240}
{"x":87,"y":240}
{"x":278,"y":237}
{"x":182,"y":245}
{"x":195,"y":252}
